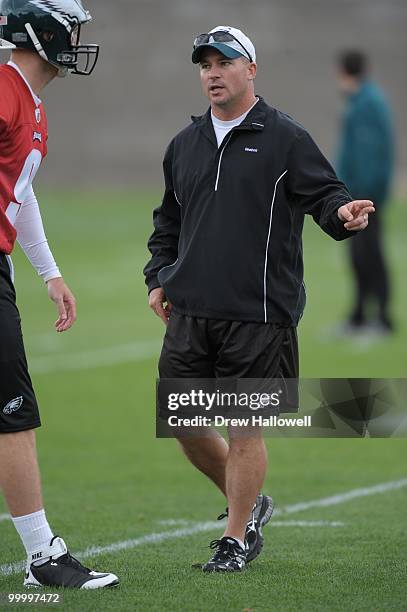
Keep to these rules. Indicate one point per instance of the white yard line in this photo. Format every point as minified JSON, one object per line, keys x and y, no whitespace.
{"x":155,"y":538}
{"x":179,"y":522}
{"x":175,"y":522}
{"x":345,"y":497}
{"x":124,"y":353}
{"x":307,"y":524}
{"x":4,"y":517}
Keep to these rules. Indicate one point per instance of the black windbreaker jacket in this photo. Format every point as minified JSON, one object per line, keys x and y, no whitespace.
{"x":227,"y":239}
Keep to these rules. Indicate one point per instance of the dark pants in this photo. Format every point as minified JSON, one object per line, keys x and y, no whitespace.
{"x":18,"y":406}
{"x":370,"y":272}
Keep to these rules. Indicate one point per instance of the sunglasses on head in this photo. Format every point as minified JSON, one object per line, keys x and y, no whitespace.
{"x":219,"y":36}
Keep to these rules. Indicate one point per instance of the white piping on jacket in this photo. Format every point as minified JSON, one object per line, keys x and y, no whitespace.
{"x":173,"y":264}
{"x":165,"y":267}
{"x":220,"y":161}
{"x":176,"y":197}
{"x":267,"y":246}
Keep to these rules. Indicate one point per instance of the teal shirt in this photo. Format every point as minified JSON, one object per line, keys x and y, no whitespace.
{"x":366,"y":153}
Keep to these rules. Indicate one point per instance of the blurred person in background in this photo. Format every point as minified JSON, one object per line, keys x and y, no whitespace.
{"x":365,"y":165}
{"x":44,"y":42}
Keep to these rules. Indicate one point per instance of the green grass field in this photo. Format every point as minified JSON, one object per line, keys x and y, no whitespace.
{"x":107,"y":480}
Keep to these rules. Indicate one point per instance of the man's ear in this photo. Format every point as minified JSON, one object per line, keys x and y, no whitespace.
{"x":252,"y":68}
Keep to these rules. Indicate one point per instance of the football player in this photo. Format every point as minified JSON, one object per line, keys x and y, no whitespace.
{"x":44,"y":36}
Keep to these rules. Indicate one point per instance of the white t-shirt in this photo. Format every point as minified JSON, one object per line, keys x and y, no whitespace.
{"x":222,"y":128}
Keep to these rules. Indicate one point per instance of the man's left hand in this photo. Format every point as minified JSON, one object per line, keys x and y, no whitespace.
{"x":355,"y":215}
{"x":65,"y":302}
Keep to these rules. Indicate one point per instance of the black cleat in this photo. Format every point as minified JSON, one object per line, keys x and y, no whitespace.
{"x":60,"y":569}
{"x":261,"y":514}
{"x":229,"y":556}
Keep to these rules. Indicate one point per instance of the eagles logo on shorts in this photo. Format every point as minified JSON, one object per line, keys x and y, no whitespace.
{"x":14,"y":405}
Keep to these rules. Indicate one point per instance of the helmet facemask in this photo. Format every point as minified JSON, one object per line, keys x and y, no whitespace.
{"x":74,"y":58}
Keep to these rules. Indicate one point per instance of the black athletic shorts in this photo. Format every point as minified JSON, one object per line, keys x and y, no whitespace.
{"x":196,"y":347}
{"x":18,"y":406}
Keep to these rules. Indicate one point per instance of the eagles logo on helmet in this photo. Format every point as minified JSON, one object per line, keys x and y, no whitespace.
{"x":52,"y":29}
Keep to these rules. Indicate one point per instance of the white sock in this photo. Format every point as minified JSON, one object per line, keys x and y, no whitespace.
{"x":34,"y":531}
{"x":241,"y":543}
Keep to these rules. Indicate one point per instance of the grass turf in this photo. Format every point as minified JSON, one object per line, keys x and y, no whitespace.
{"x":107,"y":479}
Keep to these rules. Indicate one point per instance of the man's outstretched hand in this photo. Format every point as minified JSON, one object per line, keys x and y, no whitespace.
{"x":355,"y":215}
{"x":65,"y":303}
{"x":159,"y":303}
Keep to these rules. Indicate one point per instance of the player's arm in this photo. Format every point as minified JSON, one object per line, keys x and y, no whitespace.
{"x":318,"y":191}
{"x":163,"y":243}
{"x":32,"y":239}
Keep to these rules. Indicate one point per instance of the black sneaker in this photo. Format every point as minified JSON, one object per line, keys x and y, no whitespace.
{"x":62,"y":570}
{"x":229,"y":556}
{"x":261,"y":514}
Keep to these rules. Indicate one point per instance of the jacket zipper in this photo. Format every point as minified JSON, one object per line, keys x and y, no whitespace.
{"x":220,"y":160}
{"x":240,"y":127}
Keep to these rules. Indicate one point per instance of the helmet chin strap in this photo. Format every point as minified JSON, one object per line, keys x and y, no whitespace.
{"x":62,"y":70}
{"x":36,"y":42}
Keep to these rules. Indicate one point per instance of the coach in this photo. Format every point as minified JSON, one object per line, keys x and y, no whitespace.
{"x":226,"y":271}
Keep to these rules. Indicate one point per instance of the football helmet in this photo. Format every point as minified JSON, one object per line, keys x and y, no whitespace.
{"x":52,"y":29}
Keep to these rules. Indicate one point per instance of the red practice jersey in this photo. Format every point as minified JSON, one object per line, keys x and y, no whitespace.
{"x":23,"y":144}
